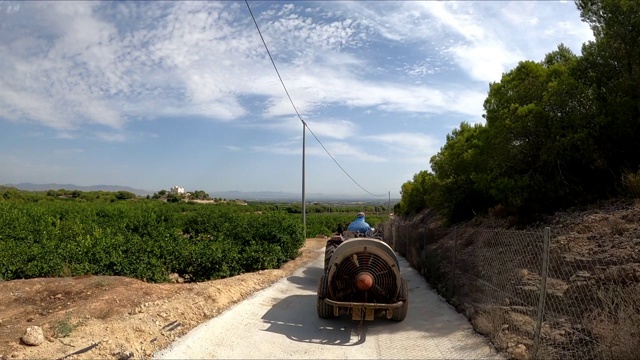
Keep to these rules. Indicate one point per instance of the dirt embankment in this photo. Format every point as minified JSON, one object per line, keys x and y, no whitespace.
{"x":110,"y":317}
{"x":592,"y":300}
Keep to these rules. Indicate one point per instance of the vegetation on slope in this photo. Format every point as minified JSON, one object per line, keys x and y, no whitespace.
{"x":560,"y":132}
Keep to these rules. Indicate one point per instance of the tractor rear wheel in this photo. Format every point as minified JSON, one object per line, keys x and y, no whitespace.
{"x":325,"y":311}
{"x":330,"y":248}
{"x":401,"y":313}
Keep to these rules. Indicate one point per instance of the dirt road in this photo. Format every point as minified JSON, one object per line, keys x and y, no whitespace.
{"x":281,"y":322}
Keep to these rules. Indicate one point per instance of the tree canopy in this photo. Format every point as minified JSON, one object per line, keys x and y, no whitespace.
{"x":558,"y":132}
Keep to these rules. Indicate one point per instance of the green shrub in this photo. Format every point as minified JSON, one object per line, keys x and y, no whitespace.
{"x":631,"y":183}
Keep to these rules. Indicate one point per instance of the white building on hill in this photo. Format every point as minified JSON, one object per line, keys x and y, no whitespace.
{"x":177,"y":190}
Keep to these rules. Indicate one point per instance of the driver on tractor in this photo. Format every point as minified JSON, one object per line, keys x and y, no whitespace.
{"x":359,"y":225}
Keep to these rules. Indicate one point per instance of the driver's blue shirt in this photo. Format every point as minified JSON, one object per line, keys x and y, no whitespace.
{"x":359,"y":225}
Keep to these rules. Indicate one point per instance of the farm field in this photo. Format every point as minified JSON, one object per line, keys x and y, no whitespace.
{"x":151,"y":240}
{"x":90,"y":271}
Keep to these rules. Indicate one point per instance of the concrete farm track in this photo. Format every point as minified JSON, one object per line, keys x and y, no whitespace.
{"x":280,"y":322}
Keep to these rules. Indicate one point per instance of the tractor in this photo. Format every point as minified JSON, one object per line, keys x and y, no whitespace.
{"x":361,"y":278}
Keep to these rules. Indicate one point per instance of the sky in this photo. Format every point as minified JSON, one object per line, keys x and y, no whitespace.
{"x":156,"y":94}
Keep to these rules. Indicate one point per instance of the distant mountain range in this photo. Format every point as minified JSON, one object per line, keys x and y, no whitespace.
{"x":45,"y":187}
{"x":286,"y":196}
{"x":243,"y":195}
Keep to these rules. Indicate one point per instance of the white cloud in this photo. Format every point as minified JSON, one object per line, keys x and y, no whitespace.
{"x":408,"y":143}
{"x":396,"y":21}
{"x":481,"y":53}
{"x":65,"y":135}
{"x":519,"y":14}
{"x":341,"y":151}
{"x":568,"y":29}
{"x":412,"y":148}
{"x":304,"y":31}
{"x":111,"y":137}
{"x":484,"y":38}
{"x":337,"y":129}
{"x":459,"y":19}
{"x":322,"y":127}
{"x":10,"y":7}
{"x":327,"y":86}
{"x":19,"y":105}
{"x":279,"y":149}
{"x":42,"y":81}
{"x":487,"y":62}
{"x":107,"y":64}
{"x":68,"y":151}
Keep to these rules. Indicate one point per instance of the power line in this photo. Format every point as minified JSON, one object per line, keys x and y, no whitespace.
{"x":296,"y":109}
{"x":274,"y":63}
{"x":336,"y":161}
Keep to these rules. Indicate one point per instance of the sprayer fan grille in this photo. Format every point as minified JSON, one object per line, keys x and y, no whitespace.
{"x":384,"y":286}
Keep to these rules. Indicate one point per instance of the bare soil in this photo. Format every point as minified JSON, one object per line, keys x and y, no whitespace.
{"x":110,"y":317}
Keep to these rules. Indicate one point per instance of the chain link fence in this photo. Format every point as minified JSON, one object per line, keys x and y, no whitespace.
{"x":541,"y":293}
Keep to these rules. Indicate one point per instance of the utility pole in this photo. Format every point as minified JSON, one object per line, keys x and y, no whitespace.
{"x":304,"y":203}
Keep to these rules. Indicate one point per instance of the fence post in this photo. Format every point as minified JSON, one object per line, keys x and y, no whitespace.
{"x":406,"y":253}
{"x":453,"y":272}
{"x":543,"y":291}
{"x":394,"y":230}
{"x":424,"y":237}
